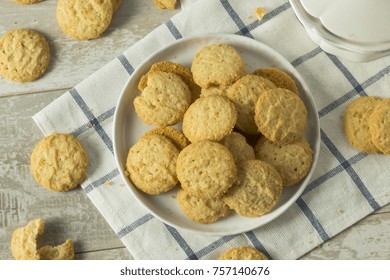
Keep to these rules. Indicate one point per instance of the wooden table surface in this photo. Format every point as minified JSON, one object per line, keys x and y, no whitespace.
{"x":70,"y":215}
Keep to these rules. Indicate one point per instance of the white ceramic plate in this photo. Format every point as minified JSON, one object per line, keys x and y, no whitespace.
{"x":128,"y":128}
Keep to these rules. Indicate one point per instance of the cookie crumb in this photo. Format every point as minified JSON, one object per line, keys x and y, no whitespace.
{"x":107,"y":184}
{"x":260,"y":12}
{"x":165,"y":4}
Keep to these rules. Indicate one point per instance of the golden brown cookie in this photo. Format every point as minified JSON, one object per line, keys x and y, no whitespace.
{"x":211,"y":117}
{"x":24,"y":240}
{"x":281,"y":116}
{"x":151,"y":164}
{"x":244,"y":94}
{"x":26,"y":2}
{"x":84,"y":19}
{"x":217,"y":64}
{"x":206,"y":169}
{"x":379,"y":126}
{"x":257,"y":190}
{"x":177,"y":138}
{"x":292,"y":161}
{"x":165,"y":4}
{"x":164,"y":100}
{"x":243,"y":253}
{"x":237,"y":145}
{"x":59,"y":162}
{"x":178,"y":69}
{"x":280,"y":78}
{"x":64,"y":251}
{"x":356,"y":123}
{"x":204,"y":211}
{"x":24,"y":55}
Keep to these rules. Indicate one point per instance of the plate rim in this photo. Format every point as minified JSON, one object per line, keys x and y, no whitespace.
{"x":220,"y":37}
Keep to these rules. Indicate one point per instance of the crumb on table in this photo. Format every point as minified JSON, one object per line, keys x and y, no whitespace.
{"x":165,"y":4}
{"x":260,"y":12}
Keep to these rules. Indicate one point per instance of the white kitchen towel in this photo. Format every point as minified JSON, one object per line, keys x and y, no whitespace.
{"x":345,"y":187}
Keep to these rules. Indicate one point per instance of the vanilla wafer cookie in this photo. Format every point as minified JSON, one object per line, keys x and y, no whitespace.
{"x":237,"y":145}
{"x":257,"y":190}
{"x":211,"y":117}
{"x":177,"y":138}
{"x":151,"y":164}
{"x":243,"y":253}
{"x":379,"y":126}
{"x":217,"y":64}
{"x":84,"y":19}
{"x":203,"y":211}
{"x":355,"y":123}
{"x":206,"y":169}
{"x":281,"y":116}
{"x":24,"y":55}
{"x":292,"y":161}
{"x":280,"y":78}
{"x":164,"y":100}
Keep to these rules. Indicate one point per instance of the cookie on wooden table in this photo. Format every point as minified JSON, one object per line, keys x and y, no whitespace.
{"x":64,"y":251}
{"x":177,"y":138}
{"x":217,"y":64}
{"x":281,"y":116}
{"x":24,"y":241}
{"x":257,"y":190}
{"x":24,"y":55}
{"x":280,"y":78}
{"x":243,"y":253}
{"x":244,"y":93}
{"x":203,"y":211}
{"x":84,"y":19}
{"x":59,"y":162}
{"x":206,"y":169}
{"x":355,"y":124}
{"x":237,"y":145}
{"x":178,"y":69}
{"x":379,"y":126}
{"x":211,"y":118}
{"x":164,"y":100}
{"x":151,"y":164}
{"x":292,"y":161}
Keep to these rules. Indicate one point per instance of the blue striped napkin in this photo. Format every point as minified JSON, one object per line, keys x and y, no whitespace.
{"x":345,"y":187}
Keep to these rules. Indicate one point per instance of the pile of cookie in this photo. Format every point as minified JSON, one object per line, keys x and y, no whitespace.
{"x":367,"y":124}
{"x":221,"y":107}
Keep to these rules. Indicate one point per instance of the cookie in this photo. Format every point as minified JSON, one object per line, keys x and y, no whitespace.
{"x":211,"y":118}
{"x":243,"y":253}
{"x":84,"y":19}
{"x":281,"y":116}
{"x":115,"y":5}
{"x":257,"y":190}
{"x":203,"y":211}
{"x":244,"y":94}
{"x":280,"y":78}
{"x":206,"y":169}
{"x":164,"y":100}
{"x":217,"y":64}
{"x":63,"y":251}
{"x":355,"y":123}
{"x":178,"y":69}
{"x":165,"y":4}
{"x":24,"y":241}
{"x":25,"y":2}
{"x":379,"y":126}
{"x":59,"y":162}
{"x":292,"y":161}
{"x":177,"y":138}
{"x":24,"y":55}
{"x":237,"y":145}
{"x":220,"y":90}
{"x":151,"y":164}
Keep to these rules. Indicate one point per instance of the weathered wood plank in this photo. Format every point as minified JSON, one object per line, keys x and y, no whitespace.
{"x":74,"y":60}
